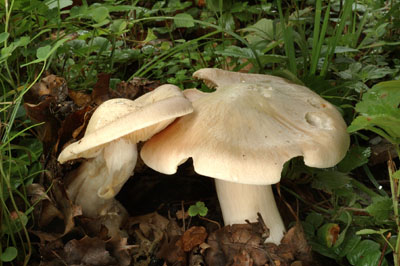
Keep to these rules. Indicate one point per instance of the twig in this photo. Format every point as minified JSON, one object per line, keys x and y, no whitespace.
{"x":211,"y":221}
{"x":384,"y":249}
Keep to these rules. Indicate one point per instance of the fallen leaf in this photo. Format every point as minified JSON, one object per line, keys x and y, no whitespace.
{"x":88,"y":251}
{"x":100,"y":92}
{"x":193,"y":237}
{"x":45,"y":209}
{"x":57,"y":86}
{"x":182,"y":215}
{"x":294,"y":242}
{"x":72,"y":128}
{"x":228,"y":244}
{"x":81,"y":99}
{"x":133,"y":88}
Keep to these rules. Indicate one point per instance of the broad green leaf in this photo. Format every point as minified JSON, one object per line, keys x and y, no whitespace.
{"x":4,"y":36}
{"x":371,"y":231}
{"x":118,"y":26}
{"x":235,"y":51}
{"x":350,"y":242}
{"x":330,"y":180}
{"x":55,"y":3}
{"x":9,"y":254}
{"x":260,"y":31}
{"x":23,"y":41}
{"x":343,"y":49}
{"x":43,"y":52}
{"x":183,"y":20}
{"x":366,"y":253}
{"x":355,"y":157}
{"x":379,"y":111}
{"x":99,"y":14}
{"x":381,"y":208}
{"x":315,"y":219}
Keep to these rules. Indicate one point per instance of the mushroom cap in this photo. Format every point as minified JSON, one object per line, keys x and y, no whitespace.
{"x":248,"y":128}
{"x":137,"y":120}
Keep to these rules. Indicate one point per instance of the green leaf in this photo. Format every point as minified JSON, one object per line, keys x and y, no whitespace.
{"x":16,"y":223}
{"x":260,"y":31}
{"x":55,"y":3}
{"x":330,"y":180}
{"x":381,"y":208}
{"x":328,"y":234}
{"x":9,"y":254}
{"x":379,"y":111}
{"x":396,"y":174}
{"x":235,"y":51}
{"x":355,"y":157}
{"x":366,"y":253}
{"x":23,"y":41}
{"x":43,"y":52}
{"x":350,"y":242}
{"x":316,"y":219}
{"x":4,"y":36}
{"x":198,"y":209}
{"x":99,"y":14}
{"x":183,"y":20}
{"x":150,"y":36}
{"x":118,"y":26}
{"x":371,"y":231}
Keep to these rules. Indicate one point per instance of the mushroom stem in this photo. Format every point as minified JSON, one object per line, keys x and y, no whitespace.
{"x":95,"y":183}
{"x":240,"y":202}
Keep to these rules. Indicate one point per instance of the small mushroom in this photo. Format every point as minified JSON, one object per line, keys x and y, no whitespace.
{"x":243,"y":133}
{"x":109,"y":145}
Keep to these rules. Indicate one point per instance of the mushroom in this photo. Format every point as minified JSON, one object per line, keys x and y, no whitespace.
{"x":109,"y":145}
{"x":243,"y":133}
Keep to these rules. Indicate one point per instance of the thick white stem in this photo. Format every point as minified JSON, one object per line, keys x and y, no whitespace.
{"x":95,"y":183}
{"x":240,"y":202}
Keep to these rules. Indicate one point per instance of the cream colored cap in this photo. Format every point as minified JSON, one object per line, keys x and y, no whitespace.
{"x":137,"y":120}
{"x":248,"y":128}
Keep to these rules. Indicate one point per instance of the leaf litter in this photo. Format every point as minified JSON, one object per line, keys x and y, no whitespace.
{"x":65,"y":237}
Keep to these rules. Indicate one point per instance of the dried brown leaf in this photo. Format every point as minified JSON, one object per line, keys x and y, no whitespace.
{"x":193,"y":237}
{"x":294,"y":245}
{"x":100,"y":91}
{"x":88,"y":251}
{"x":133,"y":88}
{"x":80,"y":99}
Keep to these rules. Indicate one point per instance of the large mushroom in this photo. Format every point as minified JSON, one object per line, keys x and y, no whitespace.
{"x":243,"y":133}
{"x":109,"y":145}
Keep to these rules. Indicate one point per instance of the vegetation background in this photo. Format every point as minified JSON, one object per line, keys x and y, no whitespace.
{"x":348,"y":51}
